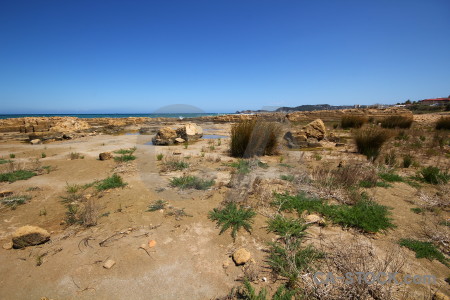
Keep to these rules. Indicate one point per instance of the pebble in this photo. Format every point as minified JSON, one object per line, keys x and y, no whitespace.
{"x":109,"y":264}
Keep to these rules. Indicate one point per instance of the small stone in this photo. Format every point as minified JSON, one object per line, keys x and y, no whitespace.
{"x":143,"y":246}
{"x":152,"y":243}
{"x":241,"y":256}
{"x":109,"y":264}
{"x":179,"y":140}
{"x":226,"y":264}
{"x":62,"y":222}
{"x":8,"y":246}
{"x":105,"y":156}
{"x":35,"y":141}
{"x":313,"y":219}
{"x":88,"y":196}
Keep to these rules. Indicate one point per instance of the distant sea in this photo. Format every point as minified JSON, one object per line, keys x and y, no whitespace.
{"x":188,"y":115}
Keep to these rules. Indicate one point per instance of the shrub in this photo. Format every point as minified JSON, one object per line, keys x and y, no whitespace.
{"x":443,"y":123}
{"x":242,"y":166}
{"x":124,"y":158}
{"x":232,"y":217}
{"x":390,"y":177}
{"x":397,"y":122}
{"x":12,"y":155}
{"x":254,"y":138}
{"x":114,"y":181}
{"x":17,"y":175}
{"x":407,"y":161}
{"x":424,"y":250}
{"x":157,"y":205}
{"x":287,"y":227}
{"x":191,"y":182}
{"x":351,"y":121}
{"x":369,"y":140}
{"x":14,"y":201}
{"x":76,"y":155}
{"x":126,"y":151}
{"x":365,"y":214}
{"x":287,"y":177}
{"x":434,"y":176}
{"x":175,"y":165}
{"x":390,"y":158}
{"x":159,"y":156}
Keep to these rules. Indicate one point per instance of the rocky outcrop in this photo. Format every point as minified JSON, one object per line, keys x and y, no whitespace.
{"x":186,"y":133}
{"x":29,"y":236}
{"x":190,"y":132}
{"x":316,"y":129}
{"x":165,"y":136}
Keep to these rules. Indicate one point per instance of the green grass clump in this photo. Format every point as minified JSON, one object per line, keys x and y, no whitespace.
{"x":424,"y":250}
{"x":351,"y":121}
{"x":287,"y":227}
{"x":17,"y":175}
{"x":124,"y":158}
{"x":443,"y":123}
{"x":157,"y":205}
{"x":434,"y":176}
{"x":254,"y":138}
{"x":114,"y":181}
{"x":159,"y":156}
{"x":176,"y":165}
{"x":14,"y":201}
{"x":366,"y":215}
{"x":242,"y":166}
{"x":12,"y":155}
{"x":407,"y":160}
{"x":232,"y":217}
{"x":370,"y":184}
{"x":397,"y":122}
{"x":391,"y":177}
{"x":126,"y":151}
{"x":191,"y":182}
{"x":287,"y":177}
{"x":247,"y":292}
{"x":417,"y":210}
{"x":369,"y":140}
{"x":4,"y":161}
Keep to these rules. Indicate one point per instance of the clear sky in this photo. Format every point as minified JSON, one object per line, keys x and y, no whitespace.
{"x":219,"y":55}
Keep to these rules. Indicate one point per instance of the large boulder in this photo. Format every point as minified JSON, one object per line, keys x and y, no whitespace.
{"x":295,"y":139}
{"x":315,"y":129}
{"x":29,"y":236}
{"x":190,"y":132}
{"x":165,"y":136}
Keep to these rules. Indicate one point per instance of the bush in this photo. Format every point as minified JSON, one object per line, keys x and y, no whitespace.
{"x":254,"y":138}
{"x":434,"y":176}
{"x":369,"y":140}
{"x":14,"y":201}
{"x":397,"y":122}
{"x":126,"y":151}
{"x":424,"y":250}
{"x":353,"y":121}
{"x":232,"y":217}
{"x":407,"y":161}
{"x":175,"y":165}
{"x":124,"y":158}
{"x":17,"y":175}
{"x":157,"y":205}
{"x":390,"y":177}
{"x":242,"y":166}
{"x":191,"y":182}
{"x":159,"y":156}
{"x":443,"y":123}
{"x":287,"y":227}
{"x":114,"y":181}
{"x":365,"y":214}
{"x":287,"y":177}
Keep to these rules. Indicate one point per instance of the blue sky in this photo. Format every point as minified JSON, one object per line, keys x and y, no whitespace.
{"x":219,"y":55}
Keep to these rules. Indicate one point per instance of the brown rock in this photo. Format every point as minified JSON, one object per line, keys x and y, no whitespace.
{"x":165,"y":136}
{"x":241,"y":256}
{"x":29,"y":236}
{"x":190,"y":132}
{"x":35,"y":141}
{"x":151,"y":243}
{"x":315,"y":129}
{"x":179,"y":140}
{"x":109,"y":264}
{"x":313,"y":219}
{"x":105,"y":156}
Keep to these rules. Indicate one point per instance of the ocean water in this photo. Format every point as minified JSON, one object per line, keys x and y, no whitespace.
{"x":189,"y":115}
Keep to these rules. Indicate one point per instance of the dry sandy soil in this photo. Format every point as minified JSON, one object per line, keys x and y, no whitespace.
{"x":190,"y":259}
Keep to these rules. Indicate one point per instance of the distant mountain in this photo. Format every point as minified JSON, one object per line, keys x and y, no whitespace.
{"x":314,"y":107}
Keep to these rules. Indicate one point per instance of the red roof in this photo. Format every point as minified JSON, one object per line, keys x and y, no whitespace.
{"x":437,"y":99}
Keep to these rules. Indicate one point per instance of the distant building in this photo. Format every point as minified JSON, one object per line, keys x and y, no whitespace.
{"x":435,"y":101}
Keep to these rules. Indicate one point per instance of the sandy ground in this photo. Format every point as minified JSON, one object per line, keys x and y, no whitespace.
{"x":190,"y":260}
